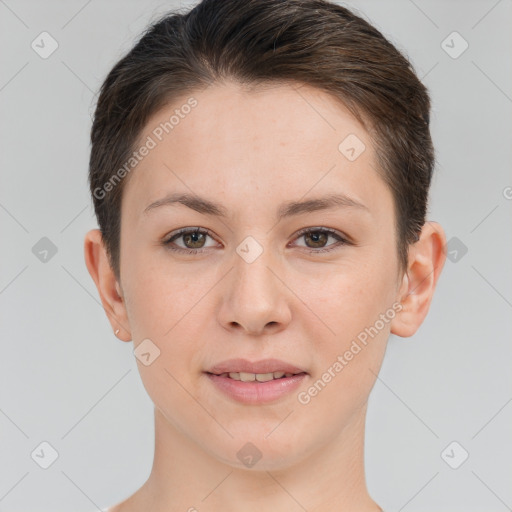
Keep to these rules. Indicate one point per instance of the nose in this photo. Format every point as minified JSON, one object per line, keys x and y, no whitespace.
{"x":256,"y":301}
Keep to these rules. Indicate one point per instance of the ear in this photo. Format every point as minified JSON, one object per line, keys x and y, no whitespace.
{"x":426,"y":260}
{"x":109,"y":289}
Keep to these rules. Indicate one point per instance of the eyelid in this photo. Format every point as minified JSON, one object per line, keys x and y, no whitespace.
{"x":187,"y":231}
{"x":324,"y":229}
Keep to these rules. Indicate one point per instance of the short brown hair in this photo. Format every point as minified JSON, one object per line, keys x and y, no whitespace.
{"x":312,"y":42}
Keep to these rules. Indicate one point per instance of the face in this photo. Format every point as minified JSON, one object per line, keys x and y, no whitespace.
{"x":314,"y":287}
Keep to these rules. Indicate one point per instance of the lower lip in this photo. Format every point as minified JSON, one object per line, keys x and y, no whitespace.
{"x":257,"y":392}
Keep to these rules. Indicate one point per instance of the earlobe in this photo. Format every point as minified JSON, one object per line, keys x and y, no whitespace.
{"x":426,"y":260}
{"x":98,"y":265}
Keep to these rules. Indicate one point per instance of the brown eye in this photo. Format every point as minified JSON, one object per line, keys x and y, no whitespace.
{"x":316,"y":239}
{"x":193,"y":239}
{"x":196,"y":239}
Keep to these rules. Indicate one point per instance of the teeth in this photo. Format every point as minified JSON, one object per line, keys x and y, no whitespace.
{"x":260,"y":377}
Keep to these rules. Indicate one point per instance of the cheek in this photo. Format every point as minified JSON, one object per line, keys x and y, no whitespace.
{"x":351,"y":298}
{"x":351,"y":304}
{"x":161,"y":309}
{"x":160,"y":296}
{"x":147,"y":307}
{"x":169,"y":307}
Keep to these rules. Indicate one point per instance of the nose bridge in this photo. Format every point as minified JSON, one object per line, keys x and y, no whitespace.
{"x":252,"y":276}
{"x":254,"y":296}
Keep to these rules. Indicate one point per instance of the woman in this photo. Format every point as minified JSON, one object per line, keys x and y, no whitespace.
{"x":260,"y":174}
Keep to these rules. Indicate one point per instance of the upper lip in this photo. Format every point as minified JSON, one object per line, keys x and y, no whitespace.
{"x":262,"y":366}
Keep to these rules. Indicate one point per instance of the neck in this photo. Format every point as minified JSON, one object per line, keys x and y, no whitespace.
{"x":185,"y":477}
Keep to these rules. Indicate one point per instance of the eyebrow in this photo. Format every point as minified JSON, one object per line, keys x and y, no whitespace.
{"x":287,"y":209}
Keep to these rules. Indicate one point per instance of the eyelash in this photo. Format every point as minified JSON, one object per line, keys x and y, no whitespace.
{"x":185,"y":231}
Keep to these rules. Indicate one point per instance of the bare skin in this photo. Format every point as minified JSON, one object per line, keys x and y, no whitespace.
{"x":251,"y":151}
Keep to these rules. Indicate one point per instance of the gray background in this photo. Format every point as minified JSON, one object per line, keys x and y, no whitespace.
{"x":65,"y":378}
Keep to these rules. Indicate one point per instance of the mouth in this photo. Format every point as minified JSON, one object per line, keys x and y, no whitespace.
{"x":256,"y":377}
{"x":256,"y":383}
{"x":264,"y":370}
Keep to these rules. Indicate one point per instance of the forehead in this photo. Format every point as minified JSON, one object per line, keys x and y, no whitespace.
{"x":251,"y":145}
